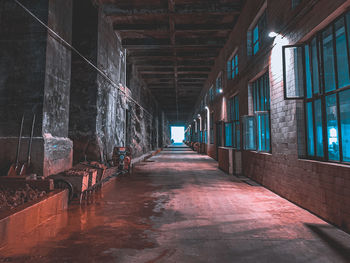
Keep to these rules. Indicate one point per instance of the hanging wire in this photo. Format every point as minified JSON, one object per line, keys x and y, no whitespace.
{"x":58,"y":37}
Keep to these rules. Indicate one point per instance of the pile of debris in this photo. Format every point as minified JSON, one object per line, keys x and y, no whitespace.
{"x":11,"y":198}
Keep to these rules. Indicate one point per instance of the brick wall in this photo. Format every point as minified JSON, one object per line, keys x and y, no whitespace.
{"x":321,"y":187}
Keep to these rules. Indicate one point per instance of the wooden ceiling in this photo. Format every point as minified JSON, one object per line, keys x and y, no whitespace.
{"x":174,"y":44}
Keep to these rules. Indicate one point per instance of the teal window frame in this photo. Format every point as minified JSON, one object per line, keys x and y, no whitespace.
{"x":234,"y":129}
{"x":258,"y":34}
{"x":232,"y":67}
{"x":218,"y":84}
{"x":327,"y":89}
{"x":261,"y":106}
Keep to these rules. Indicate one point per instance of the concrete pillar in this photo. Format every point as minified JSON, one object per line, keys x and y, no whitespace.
{"x":35,"y":78}
{"x":97,"y":107}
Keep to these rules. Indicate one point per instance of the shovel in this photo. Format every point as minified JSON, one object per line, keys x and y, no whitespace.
{"x":15,"y":167}
{"x":26,"y":167}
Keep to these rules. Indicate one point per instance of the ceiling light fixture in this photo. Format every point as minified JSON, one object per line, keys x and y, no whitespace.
{"x":273,"y":34}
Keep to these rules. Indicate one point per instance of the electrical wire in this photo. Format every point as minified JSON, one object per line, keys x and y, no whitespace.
{"x":56,"y":35}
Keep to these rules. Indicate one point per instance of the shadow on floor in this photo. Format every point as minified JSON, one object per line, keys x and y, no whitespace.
{"x":325,"y":233}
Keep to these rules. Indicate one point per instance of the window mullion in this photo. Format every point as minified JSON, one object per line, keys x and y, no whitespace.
{"x":314,"y":128}
{"x":324,"y":128}
{"x":311,"y":65}
{"x":347,"y":39}
{"x":319,"y":42}
{"x":335,"y":57}
{"x":339,"y":130}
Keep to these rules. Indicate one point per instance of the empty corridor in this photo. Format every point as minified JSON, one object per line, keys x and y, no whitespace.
{"x":178,"y":207}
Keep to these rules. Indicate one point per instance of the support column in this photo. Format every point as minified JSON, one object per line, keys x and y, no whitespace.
{"x":97,"y":107}
{"x":35,"y":78}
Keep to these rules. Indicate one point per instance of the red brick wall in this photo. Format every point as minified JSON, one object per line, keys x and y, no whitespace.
{"x":224,"y":159}
{"x":322,"y":188}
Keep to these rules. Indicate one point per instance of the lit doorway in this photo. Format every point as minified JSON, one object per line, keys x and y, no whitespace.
{"x":177,"y":134}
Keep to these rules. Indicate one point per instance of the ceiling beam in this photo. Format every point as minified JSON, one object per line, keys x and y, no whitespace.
{"x":187,"y":9}
{"x":159,"y":46}
{"x":172,"y":71}
{"x":180,"y":28}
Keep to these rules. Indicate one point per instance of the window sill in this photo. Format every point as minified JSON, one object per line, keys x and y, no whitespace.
{"x":325,"y":163}
{"x":256,"y":152}
{"x":229,"y":148}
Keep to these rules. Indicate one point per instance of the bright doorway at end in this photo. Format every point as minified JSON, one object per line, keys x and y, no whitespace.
{"x":178,"y":134}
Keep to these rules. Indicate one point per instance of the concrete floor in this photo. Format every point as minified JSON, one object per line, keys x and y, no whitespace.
{"x":178,"y":207}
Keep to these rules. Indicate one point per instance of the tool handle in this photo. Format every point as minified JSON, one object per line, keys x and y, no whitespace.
{"x":19,"y":141}
{"x":30,"y":141}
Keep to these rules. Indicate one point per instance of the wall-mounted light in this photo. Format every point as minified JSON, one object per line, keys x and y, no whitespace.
{"x":221,"y":91}
{"x":273,"y":34}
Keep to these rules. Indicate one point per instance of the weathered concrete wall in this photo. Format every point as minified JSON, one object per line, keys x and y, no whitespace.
{"x":146,"y":133}
{"x":22,"y":66}
{"x":320,"y":187}
{"x":110,"y":123}
{"x":101,"y":116}
{"x":58,"y":149}
{"x":35,"y":78}
{"x":83,"y":91}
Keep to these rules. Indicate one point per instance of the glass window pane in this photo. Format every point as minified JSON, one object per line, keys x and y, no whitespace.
{"x":342,"y":54}
{"x":328,"y":59}
{"x":332,"y":127}
{"x":255,"y":95}
{"x":236,"y":109}
{"x":318,"y":124}
{"x":293,"y":69}
{"x":344,"y":101}
{"x":261,"y":133}
{"x":268,"y":138}
{"x":348,"y":26}
{"x":229,"y":70}
{"x":308,"y":72}
{"x":234,"y":141}
{"x":228,"y":134}
{"x":315,"y":76}
{"x":256,"y":34}
{"x":233,"y":68}
{"x":267,"y":83}
{"x":310,"y":129}
{"x":218,"y":134}
{"x":261,"y":95}
{"x":249,"y":133}
{"x":255,"y":48}
{"x":238,"y":136}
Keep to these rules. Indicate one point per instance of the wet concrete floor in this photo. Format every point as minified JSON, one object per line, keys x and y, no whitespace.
{"x":178,"y":207}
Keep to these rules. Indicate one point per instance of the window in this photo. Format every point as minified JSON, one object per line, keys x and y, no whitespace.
{"x":327,"y":89}
{"x":228,"y":134}
{"x":256,"y":36}
{"x":205,"y":125}
{"x":219,"y":134}
{"x":249,"y":133}
{"x":211,"y":128}
{"x":257,"y":127}
{"x":218,"y":84}
{"x":232,"y":67}
{"x":261,"y":105}
{"x":232,"y":128}
{"x":211,"y":94}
